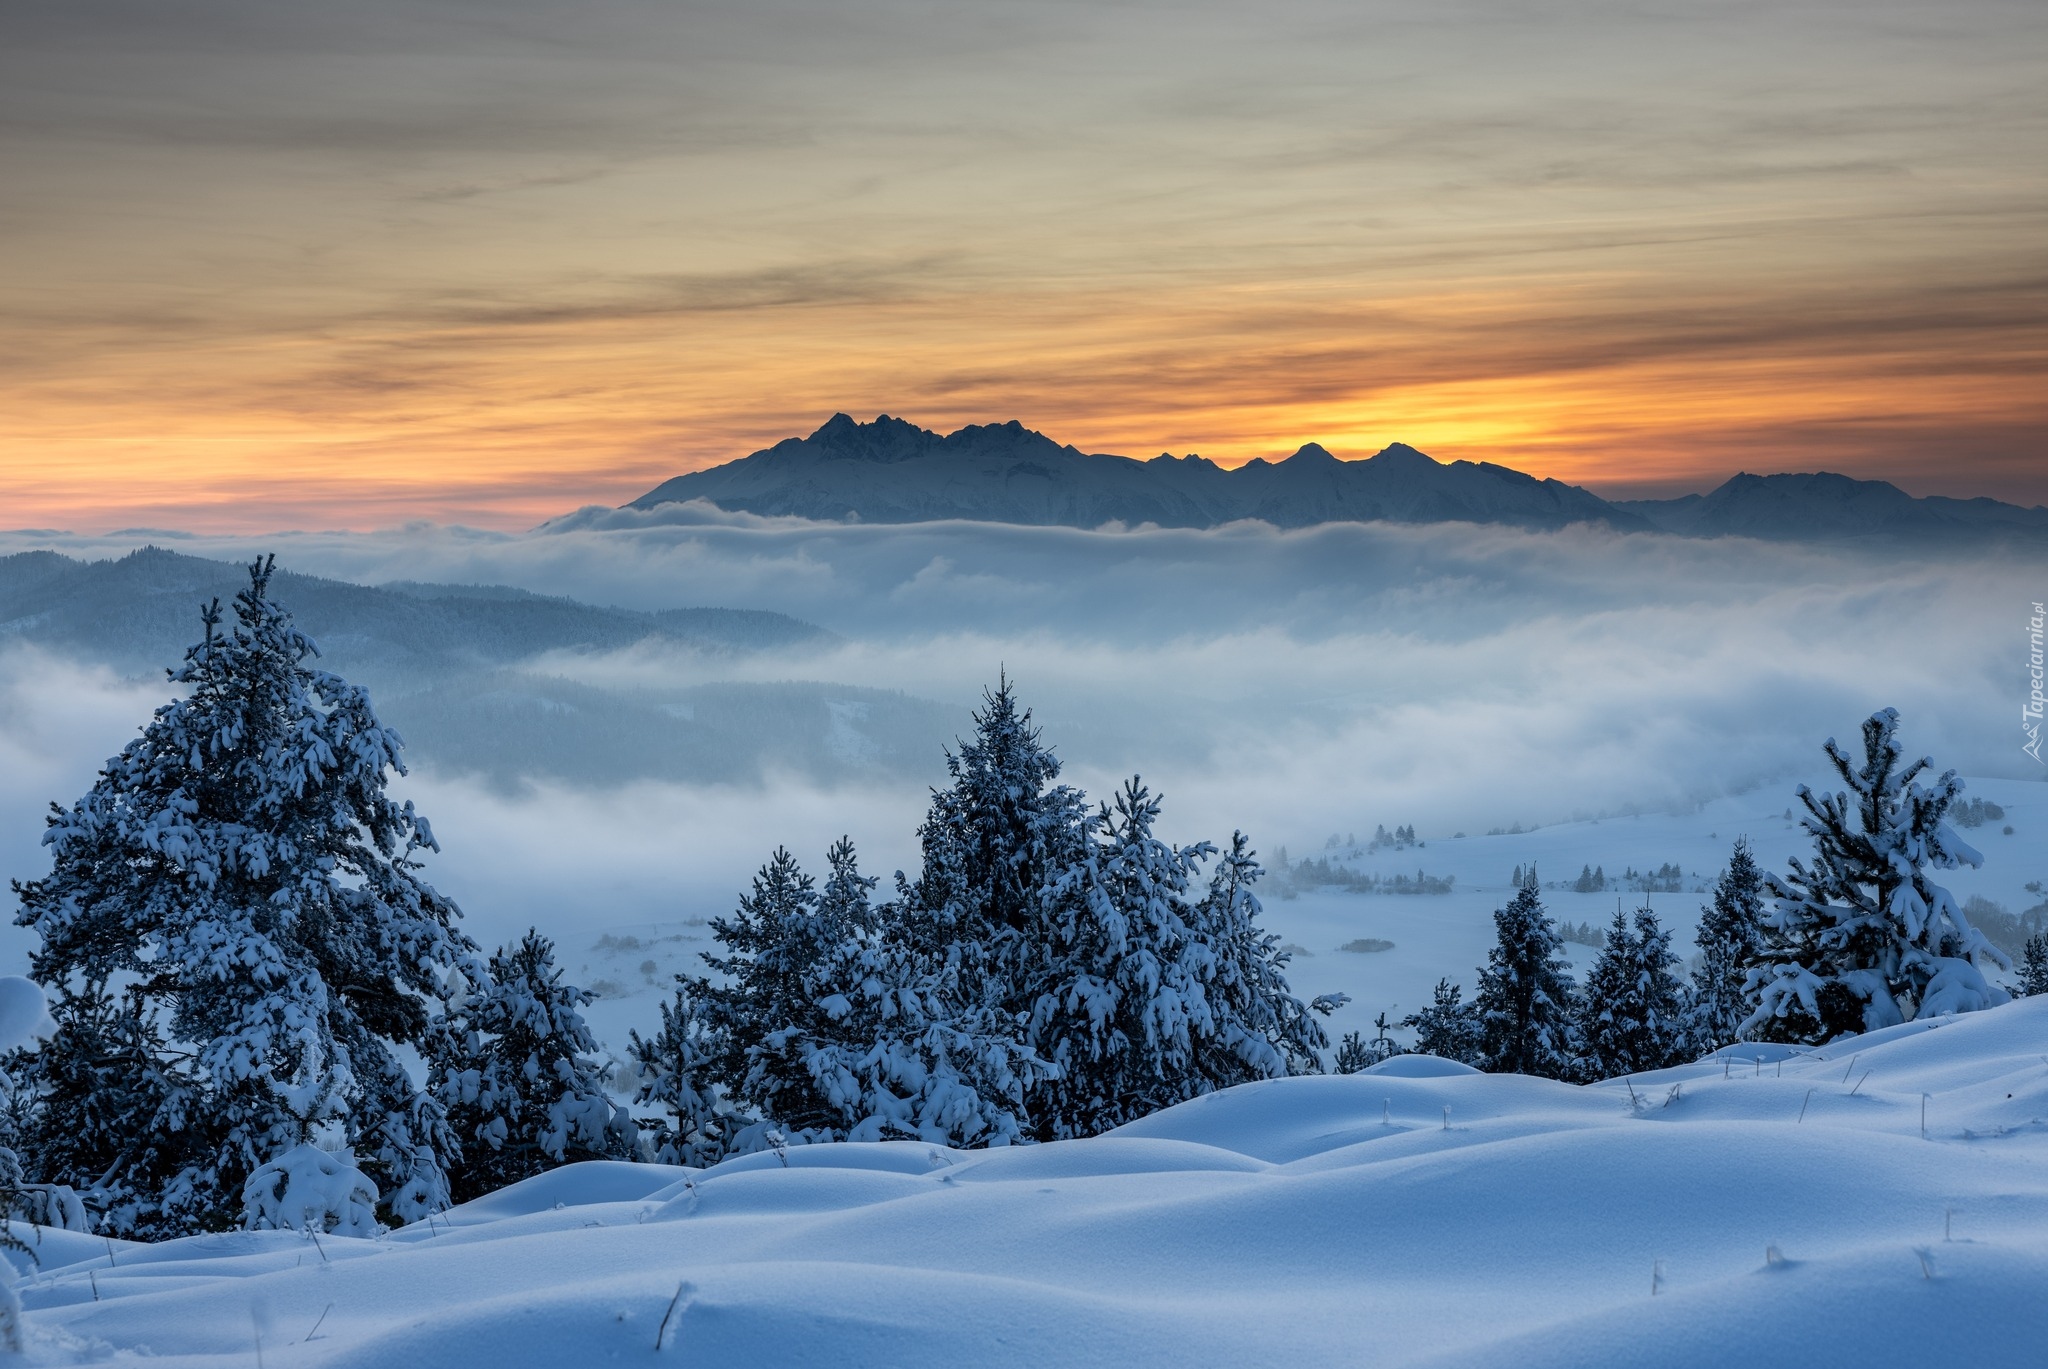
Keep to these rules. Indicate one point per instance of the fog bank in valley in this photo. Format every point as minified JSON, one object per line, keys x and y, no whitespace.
{"x":1291,"y":684}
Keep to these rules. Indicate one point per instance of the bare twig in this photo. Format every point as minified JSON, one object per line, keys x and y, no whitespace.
{"x":1802,"y":1105}
{"x":676,"y":1306}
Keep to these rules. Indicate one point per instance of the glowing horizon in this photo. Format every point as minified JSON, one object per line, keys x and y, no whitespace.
{"x":488,"y":264}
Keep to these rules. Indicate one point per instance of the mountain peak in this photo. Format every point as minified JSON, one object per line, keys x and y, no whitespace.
{"x":1401,"y":456}
{"x":1310,"y":454}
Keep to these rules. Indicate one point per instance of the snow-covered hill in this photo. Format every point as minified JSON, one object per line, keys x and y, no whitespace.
{"x":1770,"y":1208}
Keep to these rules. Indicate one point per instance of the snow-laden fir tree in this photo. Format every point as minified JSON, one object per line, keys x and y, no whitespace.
{"x":1123,"y":999}
{"x":994,"y":840}
{"x":241,"y":874}
{"x":834,"y":1023}
{"x":1149,"y":995}
{"x":677,"y":1070}
{"x":1525,"y":1000}
{"x":903,"y":1053}
{"x":515,"y":1066}
{"x":1730,"y":938}
{"x":1262,"y":1031}
{"x":1862,"y":938}
{"x":1448,"y":1028}
{"x":764,"y":1014}
{"x":1632,"y":1011}
{"x":103,"y":1066}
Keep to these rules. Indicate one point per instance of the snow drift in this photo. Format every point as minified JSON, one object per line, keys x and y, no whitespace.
{"x":1767,"y":1206}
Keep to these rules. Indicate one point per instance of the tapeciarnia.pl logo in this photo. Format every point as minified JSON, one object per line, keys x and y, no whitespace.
{"x":2030,"y":716}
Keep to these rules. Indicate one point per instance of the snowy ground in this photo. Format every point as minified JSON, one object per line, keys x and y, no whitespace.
{"x":1433,"y":934}
{"x":1782,"y":1212}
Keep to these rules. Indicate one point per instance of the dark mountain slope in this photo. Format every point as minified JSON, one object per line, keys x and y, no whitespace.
{"x":890,"y":471}
{"x":452,"y":667}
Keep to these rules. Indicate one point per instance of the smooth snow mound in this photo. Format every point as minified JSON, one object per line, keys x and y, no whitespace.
{"x":1759,"y":1208}
{"x":1419,"y":1067}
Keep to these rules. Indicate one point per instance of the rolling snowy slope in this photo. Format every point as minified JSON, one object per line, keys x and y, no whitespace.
{"x":1779,"y":1208}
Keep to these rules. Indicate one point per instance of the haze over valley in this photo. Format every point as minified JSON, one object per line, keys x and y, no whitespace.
{"x":643,"y":702}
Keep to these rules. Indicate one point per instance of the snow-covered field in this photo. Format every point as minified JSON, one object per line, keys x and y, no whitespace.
{"x":1777,"y":1208}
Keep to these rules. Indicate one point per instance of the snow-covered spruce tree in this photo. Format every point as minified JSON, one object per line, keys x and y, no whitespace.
{"x":1261,"y":1030}
{"x":993,"y":840}
{"x":1149,"y":996}
{"x":1632,"y":1011}
{"x":1123,"y":998}
{"x":834,"y":1023}
{"x":1862,"y":939}
{"x":240,"y":871}
{"x":1730,"y":938}
{"x":763,"y":1016}
{"x":104,"y":1066}
{"x":1448,"y":1028}
{"x":513,"y":1064}
{"x":1525,"y":1000}
{"x":906,"y":1053}
{"x":676,"y":1068}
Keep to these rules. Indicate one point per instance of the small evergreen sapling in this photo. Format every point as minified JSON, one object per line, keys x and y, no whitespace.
{"x":2034,"y":965}
{"x":1862,"y":938}
{"x":307,"y":1189}
{"x":1448,"y":1028}
{"x":1353,"y":1056}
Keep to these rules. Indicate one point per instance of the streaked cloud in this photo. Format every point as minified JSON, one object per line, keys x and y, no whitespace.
{"x":344,"y":265}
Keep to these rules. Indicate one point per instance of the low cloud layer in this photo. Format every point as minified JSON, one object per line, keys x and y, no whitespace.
{"x":1287,"y":683}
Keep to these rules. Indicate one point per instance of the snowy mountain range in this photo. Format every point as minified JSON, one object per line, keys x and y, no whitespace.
{"x":892,"y":471}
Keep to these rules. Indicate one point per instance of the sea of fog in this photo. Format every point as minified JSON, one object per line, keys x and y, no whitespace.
{"x":1292,"y":684}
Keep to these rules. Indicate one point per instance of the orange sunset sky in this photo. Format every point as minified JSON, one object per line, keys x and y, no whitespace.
{"x":277,"y":265}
